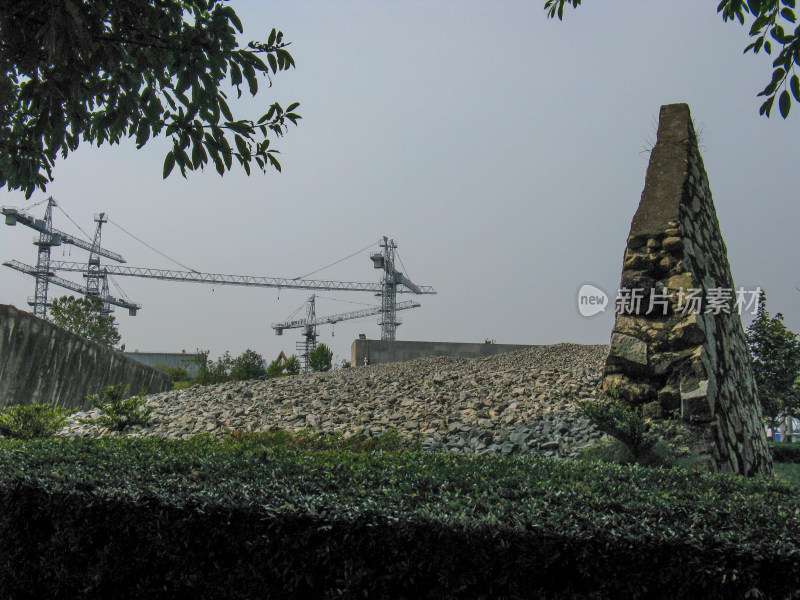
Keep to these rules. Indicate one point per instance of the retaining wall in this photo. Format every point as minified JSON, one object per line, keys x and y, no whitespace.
{"x":41,"y":363}
{"x":379,"y":351}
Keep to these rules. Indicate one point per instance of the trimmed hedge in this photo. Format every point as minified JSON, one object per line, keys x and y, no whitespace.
{"x":785,"y":452}
{"x":143,"y":518}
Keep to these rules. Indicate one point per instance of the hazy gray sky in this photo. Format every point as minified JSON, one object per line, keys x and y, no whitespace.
{"x":505,"y":153}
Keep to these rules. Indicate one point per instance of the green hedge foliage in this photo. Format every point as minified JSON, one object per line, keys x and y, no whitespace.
{"x":784,"y":452}
{"x":26,"y":422}
{"x":307,"y":517}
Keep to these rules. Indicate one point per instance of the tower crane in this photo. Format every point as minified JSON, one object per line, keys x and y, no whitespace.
{"x":393,"y":282}
{"x":65,"y":283}
{"x":309,"y":324}
{"x":43,"y":272}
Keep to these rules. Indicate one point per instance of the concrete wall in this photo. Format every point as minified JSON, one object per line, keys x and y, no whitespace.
{"x":378,"y":351}
{"x":44,"y":364}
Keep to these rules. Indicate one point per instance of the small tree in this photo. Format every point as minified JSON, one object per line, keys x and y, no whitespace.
{"x":248,"y":365}
{"x":622,"y":422}
{"x":210,"y":371}
{"x":292,"y":366}
{"x":275,"y":368}
{"x":776,"y":364}
{"x":84,"y":316}
{"x":321,"y":358}
{"x":279,"y":368}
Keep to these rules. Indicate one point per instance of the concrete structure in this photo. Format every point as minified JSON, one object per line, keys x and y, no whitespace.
{"x":678,"y":349}
{"x":384,"y":351}
{"x":41,"y":363}
{"x":177,"y":360}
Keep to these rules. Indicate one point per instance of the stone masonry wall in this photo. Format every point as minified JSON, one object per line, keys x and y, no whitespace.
{"x":668,"y":354}
{"x":41,"y":363}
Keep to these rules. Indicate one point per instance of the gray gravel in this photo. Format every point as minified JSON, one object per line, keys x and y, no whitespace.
{"x":512,"y":403}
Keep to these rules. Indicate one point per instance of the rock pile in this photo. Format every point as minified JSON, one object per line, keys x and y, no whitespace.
{"x":506,"y":404}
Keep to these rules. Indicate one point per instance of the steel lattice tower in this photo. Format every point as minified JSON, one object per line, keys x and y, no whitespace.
{"x":309,"y":344}
{"x":47,"y":239}
{"x":97,"y":279}
{"x":388,"y":319}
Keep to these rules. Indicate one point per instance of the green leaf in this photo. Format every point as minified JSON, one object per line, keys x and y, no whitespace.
{"x":142,"y":134}
{"x":236,"y":74}
{"x":273,"y":63}
{"x":233,"y":17}
{"x":784,"y":103}
{"x":788,"y":14}
{"x":777,"y":34}
{"x":767,"y":106}
{"x":169,"y":163}
{"x":218,"y":163}
{"x":794,"y":84}
{"x":240,"y":127}
{"x":198,"y":154}
{"x":225,"y":109}
{"x":241,"y":145}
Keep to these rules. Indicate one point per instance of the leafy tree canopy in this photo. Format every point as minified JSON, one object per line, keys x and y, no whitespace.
{"x":84,"y":317}
{"x":292,"y":365}
{"x":320,"y":358}
{"x":248,"y":365}
{"x":280,"y":368}
{"x":101,"y":70}
{"x":776,"y":365}
{"x":773,"y":27}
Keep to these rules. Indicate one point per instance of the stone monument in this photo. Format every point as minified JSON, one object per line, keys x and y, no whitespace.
{"x":678,"y":349}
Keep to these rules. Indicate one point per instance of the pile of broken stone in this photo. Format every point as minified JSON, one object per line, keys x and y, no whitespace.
{"x":514,"y":403}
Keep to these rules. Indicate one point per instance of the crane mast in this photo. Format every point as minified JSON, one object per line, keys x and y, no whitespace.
{"x":97,"y":281}
{"x":391,"y":282}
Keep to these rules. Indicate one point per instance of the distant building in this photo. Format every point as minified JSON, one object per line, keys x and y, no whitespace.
{"x":180,"y":360}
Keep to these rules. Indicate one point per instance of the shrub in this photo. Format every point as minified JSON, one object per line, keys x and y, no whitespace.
{"x":784,"y":452}
{"x":248,"y":365}
{"x":277,"y":368}
{"x":175,"y":373}
{"x":120,"y":412}
{"x":32,"y":421}
{"x":209,"y":371}
{"x":643,"y":441}
{"x":320,"y":359}
{"x":292,"y":366}
{"x":233,"y":519}
{"x":612,"y":416}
